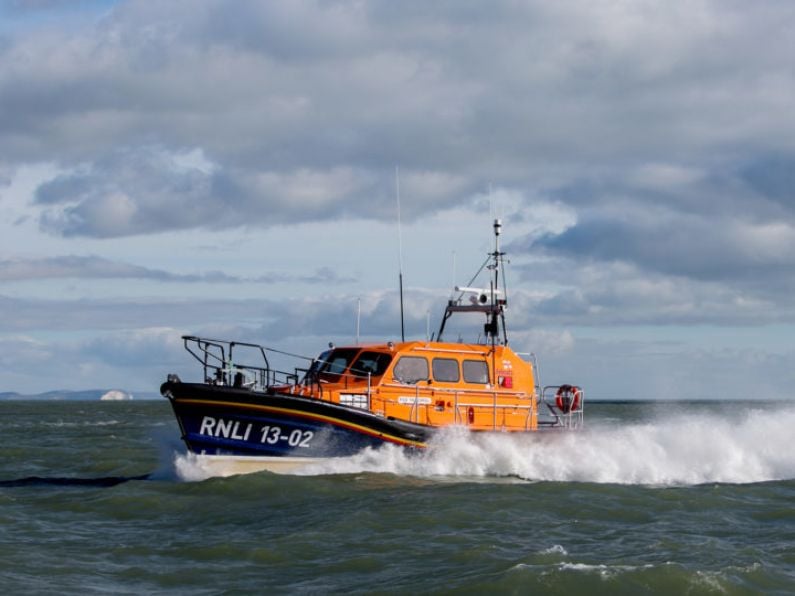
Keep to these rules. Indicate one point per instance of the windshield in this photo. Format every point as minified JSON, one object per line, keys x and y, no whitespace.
{"x":336,"y":362}
{"x":316,"y":365}
{"x":372,"y":363}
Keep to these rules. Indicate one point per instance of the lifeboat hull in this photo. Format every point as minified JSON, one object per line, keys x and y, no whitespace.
{"x":281,"y":430}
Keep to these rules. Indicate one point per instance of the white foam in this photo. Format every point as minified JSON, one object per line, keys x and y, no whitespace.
{"x":555,"y":549}
{"x":193,"y":468}
{"x":682,"y":449}
{"x":604,"y":571}
{"x":79,"y":423}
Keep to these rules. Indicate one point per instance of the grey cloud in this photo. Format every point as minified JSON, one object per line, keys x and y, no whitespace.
{"x":280,"y":319}
{"x":159,"y":347}
{"x":292,"y":32}
{"x":137,"y":360}
{"x":25,"y":6}
{"x":548,"y":91}
{"x":773,"y":177}
{"x":717,"y":247}
{"x":592,"y":293}
{"x":735,"y":226}
{"x":334,"y":317}
{"x":23,"y":316}
{"x":149,"y":190}
{"x":72,"y":266}
{"x":127,"y":192}
{"x":661,"y":370}
{"x":92,"y":267}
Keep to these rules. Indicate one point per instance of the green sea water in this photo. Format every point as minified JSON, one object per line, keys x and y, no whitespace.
{"x":100,"y":497}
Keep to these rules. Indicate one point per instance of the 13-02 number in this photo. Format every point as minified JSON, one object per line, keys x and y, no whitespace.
{"x":295,"y":438}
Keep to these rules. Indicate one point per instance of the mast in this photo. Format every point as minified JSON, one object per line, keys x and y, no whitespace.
{"x":490,"y":301}
{"x":498,"y":311}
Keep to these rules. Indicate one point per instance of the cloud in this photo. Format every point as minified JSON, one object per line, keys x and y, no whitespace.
{"x":145,"y":347}
{"x":773,"y":177}
{"x":148,"y":190}
{"x":657,"y":369}
{"x":93,"y":267}
{"x":304,"y":110}
{"x":137,"y":360}
{"x":728,"y":237}
{"x":58,"y":316}
{"x":128,"y":192}
{"x":595,"y":294}
{"x":680,"y":244}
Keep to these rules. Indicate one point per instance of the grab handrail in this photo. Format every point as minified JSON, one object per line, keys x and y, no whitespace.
{"x":217,"y":358}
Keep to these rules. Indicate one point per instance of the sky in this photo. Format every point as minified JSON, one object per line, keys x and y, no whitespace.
{"x":232,"y":170}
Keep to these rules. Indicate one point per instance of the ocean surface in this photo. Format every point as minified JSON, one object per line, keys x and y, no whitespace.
{"x":100,"y":497}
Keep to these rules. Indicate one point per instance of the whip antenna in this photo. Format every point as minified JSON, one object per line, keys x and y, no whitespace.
{"x":358,"y":318}
{"x":400,"y":254}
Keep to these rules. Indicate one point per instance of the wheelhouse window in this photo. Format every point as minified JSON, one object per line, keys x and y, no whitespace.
{"x":445,"y":370}
{"x":317,"y":364}
{"x":411,"y":369}
{"x":337,"y":362}
{"x":371,"y":363}
{"x":476,"y":371}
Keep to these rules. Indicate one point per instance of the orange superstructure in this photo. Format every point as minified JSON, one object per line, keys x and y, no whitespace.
{"x":438,"y":384}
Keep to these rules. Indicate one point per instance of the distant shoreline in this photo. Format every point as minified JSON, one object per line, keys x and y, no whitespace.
{"x":81,"y":395}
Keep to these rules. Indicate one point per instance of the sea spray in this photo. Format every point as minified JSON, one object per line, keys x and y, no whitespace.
{"x":194,"y":468}
{"x":673,"y":449}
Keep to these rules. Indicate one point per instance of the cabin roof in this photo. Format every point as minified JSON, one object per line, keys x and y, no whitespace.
{"x":431,"y":347}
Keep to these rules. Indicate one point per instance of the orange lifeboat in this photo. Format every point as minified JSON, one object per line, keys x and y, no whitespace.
{"x":353,"y":397}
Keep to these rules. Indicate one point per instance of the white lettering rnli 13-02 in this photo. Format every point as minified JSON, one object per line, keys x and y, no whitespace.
{"x":272,"y":435}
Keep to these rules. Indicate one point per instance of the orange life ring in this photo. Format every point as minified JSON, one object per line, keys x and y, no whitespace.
{"x":568,"y":398}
